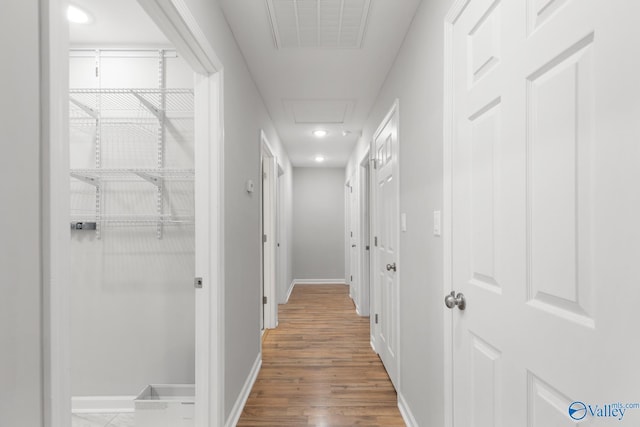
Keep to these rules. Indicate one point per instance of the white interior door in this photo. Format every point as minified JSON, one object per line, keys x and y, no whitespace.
{"x":544,"y":231}
{"x":386,"y":242}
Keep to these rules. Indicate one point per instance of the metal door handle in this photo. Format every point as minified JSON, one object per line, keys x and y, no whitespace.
{"x":391,"y":267}
{"x":453,"y":300}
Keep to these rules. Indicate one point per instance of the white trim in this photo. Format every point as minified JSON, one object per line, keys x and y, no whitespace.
{"x":236,"y":411}
{"x":102,"y":404}
{"x":405,"y":411}
{"x":178,"y":24}
{"x":364,"y":236}
{"x":55,"y":247}
{"x":358,"y":312}
{"x":319,"y":281}
{"x":209,"y":198}
{"x":447,"y":216}
{"x":269,"y":222}
{"x":293,"y":283}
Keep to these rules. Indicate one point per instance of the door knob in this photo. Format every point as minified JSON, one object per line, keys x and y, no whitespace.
{"x":452,"y":300}
{"x":391,"y":267}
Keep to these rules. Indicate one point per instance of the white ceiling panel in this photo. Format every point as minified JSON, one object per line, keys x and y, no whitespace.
{"x":319,"y":111}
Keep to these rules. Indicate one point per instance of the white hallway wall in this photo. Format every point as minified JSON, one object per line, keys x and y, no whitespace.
{"x":244,"y":116}
{"x":20,"y":254}
{"x":318,"y":223}
{"x":416,"y":79}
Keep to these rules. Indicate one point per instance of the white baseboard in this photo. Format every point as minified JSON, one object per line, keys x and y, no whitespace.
{"x":293,"y":283}
{"x":319,"y":282}
{"x":102,"y":404}
{"x":407,"y":416}
{"x":236,"y":411}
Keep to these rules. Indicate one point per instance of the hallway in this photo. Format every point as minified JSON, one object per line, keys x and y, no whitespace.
{"x":319,"y":369}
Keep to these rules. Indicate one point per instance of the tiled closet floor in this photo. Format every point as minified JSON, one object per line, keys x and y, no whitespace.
{"x":103,"y":420}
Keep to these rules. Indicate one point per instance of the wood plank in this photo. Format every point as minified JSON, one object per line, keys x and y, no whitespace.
{"x":318,"y":368}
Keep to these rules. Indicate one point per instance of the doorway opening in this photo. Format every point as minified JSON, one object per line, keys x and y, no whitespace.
{"x":176,"y":22}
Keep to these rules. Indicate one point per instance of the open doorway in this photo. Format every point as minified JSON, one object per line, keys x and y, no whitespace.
{"x":203,"y":254}
{"x":131,"y":128}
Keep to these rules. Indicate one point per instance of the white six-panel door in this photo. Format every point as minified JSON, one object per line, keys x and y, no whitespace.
{"x":386,"y":242}
{"x":544,"y":171}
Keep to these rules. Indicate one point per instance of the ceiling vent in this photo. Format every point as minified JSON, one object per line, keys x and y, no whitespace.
{"x":330,"y":24}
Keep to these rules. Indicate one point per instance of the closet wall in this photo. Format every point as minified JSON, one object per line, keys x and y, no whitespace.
{"x":132,"y":280}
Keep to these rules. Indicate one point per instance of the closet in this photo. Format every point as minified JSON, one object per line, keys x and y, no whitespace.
{"x":131,"y":129}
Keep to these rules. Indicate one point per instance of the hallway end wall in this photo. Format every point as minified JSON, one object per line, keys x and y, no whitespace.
{"x":318,"y":224}
{"x":416,"y":79}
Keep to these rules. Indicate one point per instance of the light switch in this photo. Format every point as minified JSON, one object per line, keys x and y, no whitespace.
{"x":437,"y":223}
{"x":250,"y":186}
{"x":403,"y":222}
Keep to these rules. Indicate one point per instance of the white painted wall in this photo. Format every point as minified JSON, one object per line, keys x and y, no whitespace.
{"x":417,"y":80}
{"x":244,"y":116}
{"x":20,"y":252}
{"x":318,"y":223}
{"x":132,"y":295}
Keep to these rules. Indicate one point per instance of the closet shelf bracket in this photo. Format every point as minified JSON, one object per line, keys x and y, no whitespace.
{"x":91,"y":180}
{"x":155,"y":180}
{"x":90,"y":111}
{"x":148,"y":105}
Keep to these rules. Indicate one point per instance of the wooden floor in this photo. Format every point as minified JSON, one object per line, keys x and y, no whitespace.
{"x":318,"y":368}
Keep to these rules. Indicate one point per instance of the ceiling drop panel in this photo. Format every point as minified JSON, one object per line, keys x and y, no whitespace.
{"x":336,"y":24}
{"x":319,"y":111}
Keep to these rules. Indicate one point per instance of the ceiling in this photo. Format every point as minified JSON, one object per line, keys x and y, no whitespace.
{"x":319,"y":64}
{"x":322,"y":65}
{"x":115,"y":23}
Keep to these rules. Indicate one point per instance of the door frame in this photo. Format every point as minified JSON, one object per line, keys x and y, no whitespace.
{"x":447,"y":202}
{"x":351,"y":226}
{"x":269,"y":218}
{"x":364,"y":238}
{"x":375,"y":300}
{"x":280,"y":235}
{"x":175,"y":20}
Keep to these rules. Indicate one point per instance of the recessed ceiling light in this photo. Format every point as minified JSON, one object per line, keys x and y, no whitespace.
{"x":77,"y":15}
{"x":320,"y":133}
{"x":319,"y":159}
